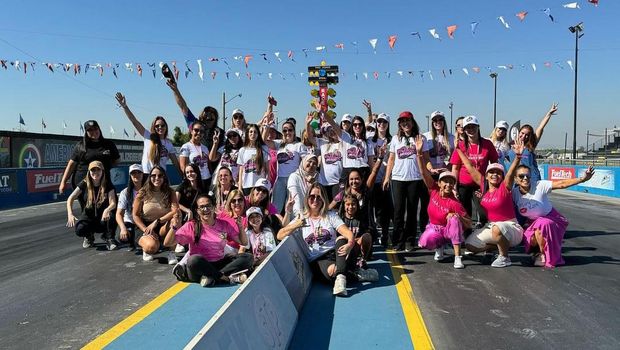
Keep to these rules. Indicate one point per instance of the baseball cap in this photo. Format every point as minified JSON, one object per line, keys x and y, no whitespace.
{"x":502,"y":124}
{"x":235,"y":130}
{"x":90,"y":124}
{"x":253,"y":210}
{"x":372,"y":125}
{"x":346,"y":118}
{"x":405,"y":115}
{"x":237,"y":111}
{"x":135,"y":167}
{"x":325,"y":128}
{"x":95,"y":164}
{"x":495,"y":166}
{"x":273,"y":126}
{"x":437,"y":114}
{"x":263,"y":183}
{"x":470,"y":119}
{"x":384,"y":117}
{"x":446,"y":174}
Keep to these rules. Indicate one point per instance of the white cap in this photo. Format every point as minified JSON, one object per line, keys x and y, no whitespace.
{"x":384,"y":117}
{"x":263,"y":183}
{"x":470,"y":119}
{"x":235,"y":130}
{"x":437,"y":114}
{"x":253,"y":210}
{"x":237,"y":111}
{"x":502,"y":124}
{"x":446,"y":174}
{"x":273,"y":126}
{"x":346,"y":118}
{"x":372,"y":125}
{"x":135,"y":167}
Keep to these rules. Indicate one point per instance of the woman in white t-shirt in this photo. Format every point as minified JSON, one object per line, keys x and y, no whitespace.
{"x":330,"y":160}
{"x":405,"y":178}
{"x":328,"y":239}
{"x":545,"y":226}
{"x":253,"y":159}
{"x":157,"y":147}
{"x":356,"y":154}
{"x":440,"y":144}
{"x":195,"y":152}
{"x":125,"y":204}
{"x":228,"y":153}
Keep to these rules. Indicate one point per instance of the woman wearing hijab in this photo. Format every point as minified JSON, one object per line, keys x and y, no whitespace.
{"x":300,"y":180}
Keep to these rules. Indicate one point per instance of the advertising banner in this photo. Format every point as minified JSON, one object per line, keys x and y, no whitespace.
{"x":602,"y":179}
{"x":5,"y":151}
{"x":8,"y":182}
{"x":561,"y":173}
{"x":44,"y":180}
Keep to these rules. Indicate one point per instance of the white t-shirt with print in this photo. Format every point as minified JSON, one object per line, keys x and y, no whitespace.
{"x":535,"y":203}
{"x":230,"y":161}
{"x":198,"y":155}
{"x":331,"y":162}
{"x":405,"y":159}
{"x":355,"y":153}
{"x":262,"y":243}
{"x":320,"y":234}
{"x":437,"y":151}
{"x":165,"y":151}
{"x":247,"y":159}
{"x":289,"y":157}
{"x":374,"y":146}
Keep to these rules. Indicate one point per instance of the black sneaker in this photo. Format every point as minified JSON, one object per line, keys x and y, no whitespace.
{"x":111,"y":244}
{"x":180,"y":273}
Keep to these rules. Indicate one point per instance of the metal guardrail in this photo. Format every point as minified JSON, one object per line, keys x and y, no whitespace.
{"x":587,"y":162}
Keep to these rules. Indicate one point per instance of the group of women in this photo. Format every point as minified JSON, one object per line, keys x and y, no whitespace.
{"x":338,"y":187}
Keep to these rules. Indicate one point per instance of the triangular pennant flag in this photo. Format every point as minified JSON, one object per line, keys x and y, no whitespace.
{"x":534,"y":67}
{"x":392,"y":41}
{"x":430,"y":75}
{"x":466,"y":71}
{"x":227,"y":75}
{"x":476,"y":69}
{"x":81,"y":128}
{"x":320,"y":48}
{"x":373,"y":43}
{"x":270,"y":75}
{"x":547,"y":12}
{"x":365,"y":75}
{"x":213,"y":75}
{"x":593,"y":2}
{"x":111,"y":130}
{"x":200,"y":71}
{"x":265,"y":57}
{"x":354,"y":43}
{"x":451,"y":29}
{"x":504,"y":23}
{"x":43,"y":124}
{"x":443,"y":71}
{"x":175,"y":70}
{"x":152,"y":65}
{"x":521,"y":15}
{"x":3,"y":63}
{"x":64,"y":124}
{"x":355,"y":75}
{"x":49,"y":66}
{"x":339,"y":46}
{"x":237,"y":75}
{"x":571,"y":5}
{"x":570,"y":64}
{"x":290,"y":55}
{"x":187,"y":69}
{"x":376,"y":75}
{"x":305,"y":51}
{"x":125,"y":132}
{"x":434,"y":33}
{"x":548,"y":64}
{"x":400,"y":72}
{"x":129,"y":67}
{"x":388,"y":74}
{"x":417,"y":34}
{"x":277,"y":54}
{"x":249,"y":75}
{"x":557,"y":63}
{"x":247,"y":59}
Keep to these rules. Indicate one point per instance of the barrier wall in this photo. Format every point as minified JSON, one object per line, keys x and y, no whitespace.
{"x":263,"y":312}
{"x":20,"y":187}
{"x":605,"y":182}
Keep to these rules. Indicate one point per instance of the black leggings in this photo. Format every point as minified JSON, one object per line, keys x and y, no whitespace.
{"x":406,"y":195}
{"x":383,"y":211}
{"x":88,"y":228}
{"x":198,"y":266}
{"x":344,"y":264}
{"x":131,"y":232}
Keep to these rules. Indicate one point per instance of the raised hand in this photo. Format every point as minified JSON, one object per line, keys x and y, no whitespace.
{"x":172,"y":84}
{"x":588,"y":174}
{"x":216,"y":136}
{"x":367,"y":104}
{"x":121,"y":100}
{"x":518,"y":146}
{"x":290,"y":203}
{"x":419,"y":143}
{"x":553,"y":109}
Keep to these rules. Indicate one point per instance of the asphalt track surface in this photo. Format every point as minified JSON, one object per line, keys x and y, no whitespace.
{"x":55,"y":294}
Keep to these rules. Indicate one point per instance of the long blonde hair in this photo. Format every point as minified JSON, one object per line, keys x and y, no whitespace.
{"x":232,"y":194}
{"x":324,"y":207}
{"x":445,"y":133}
{"x":90,"y":191}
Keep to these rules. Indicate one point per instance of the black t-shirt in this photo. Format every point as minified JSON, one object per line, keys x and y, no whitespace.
{"x":104,"y":151}
{"x":357,"y":226}
{"x":94,"y":211}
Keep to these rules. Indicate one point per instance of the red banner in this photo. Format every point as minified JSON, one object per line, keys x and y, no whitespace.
{"x":44,"y":180}
{"x":561,"y":173}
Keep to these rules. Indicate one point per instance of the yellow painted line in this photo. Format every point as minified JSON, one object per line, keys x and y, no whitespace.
{"x":417,"y":329}
{"x":135,"y":318}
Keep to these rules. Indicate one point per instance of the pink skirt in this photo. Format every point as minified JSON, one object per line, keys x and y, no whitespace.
{"x":552,"y":227}
{"x":436,"y":236}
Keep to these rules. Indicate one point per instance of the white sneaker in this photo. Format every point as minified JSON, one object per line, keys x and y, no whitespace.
{"x":539,"y":260}
{"x":501,"y":261}
{"x":179,"y":249}
{"x":458,"y":263}
{"x":340,"y":285}
{"x":238,"y":277}
{"x":147,"y":257}
{"x":172,"y":259}
{"x":87,"y":242}
{"x":439,"y":254}
{"x":367,"y":275}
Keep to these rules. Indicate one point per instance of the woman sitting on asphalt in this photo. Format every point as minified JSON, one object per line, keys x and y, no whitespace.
{"x":99,"y":198}
{"x":300,"y":180}
{"x":206,"y":236}
{"x":503,"y":231}
{"x":153,"y":209}
{"x":447,"y":216}
{"x":260,"y":236}
{"x":125,"y":203}
{"x":259,"y":197}
{"x":328,"y":239}
{"x":546,"y":227}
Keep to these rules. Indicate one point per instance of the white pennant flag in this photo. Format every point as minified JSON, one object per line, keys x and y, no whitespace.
{"x":320,"y":48}
{"x":502,"y":67}
{"x":365,"y":75}
{"x":534,"y":67}
{"x":571,"y":5}
{"x":278,"y":56}
{"x":501,"y":19}
{"x":434,"y":33}
{"x":270,"y":75}
{"x":400,"y":72}
{"x":430,"y":74}
{"x":129,"y":67}
{"x":466,"y":71}
{"x":373,"y":43}
{"x":237,"y":75}
{"x":570,"y":64}
{"x":200,"y":72}
{"x":111,"y":130}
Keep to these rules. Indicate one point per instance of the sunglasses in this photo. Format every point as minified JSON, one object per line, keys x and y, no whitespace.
{"x":206,"y":207}
{"x":523,"y":176}
{"x":157,"y":176}
{"x":288,"y":130}
{"x":315,"y":197}
{"x":262,"y":190}
{"x":459,"y":126}
{"x":198,"y":131}
{"x":237,"y":116}
{"x":160,"y":126}
{"x":357,"y":125}
{"x":381,"y":121}
{"x":370,"y":129}
{"x":237,"y":200}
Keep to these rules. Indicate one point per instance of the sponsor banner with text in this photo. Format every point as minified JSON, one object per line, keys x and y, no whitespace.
{"x":8,"y":182}
{"x":44,"y":180}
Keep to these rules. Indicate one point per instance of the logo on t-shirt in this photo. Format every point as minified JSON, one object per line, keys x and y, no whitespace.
{"x":163,"y":151}
{"x":332,"y":157}
{"x":250,"y":166}
{"x":323,"y":236}
{"x":284,"y":157}
{"x":229,"y":160}
{"x":405,"y":152}
{"x":200,"y":160}
{"x":356,"y":152}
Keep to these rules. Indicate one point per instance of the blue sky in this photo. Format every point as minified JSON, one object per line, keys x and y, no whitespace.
{"x":154,"y":31}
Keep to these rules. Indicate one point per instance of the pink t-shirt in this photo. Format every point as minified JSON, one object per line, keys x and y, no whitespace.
{"x":212,"y":239}
{"x":231,"y":239}
{"x":498,"y":204}
{"x":273,"y":165}
{"x":271,"y":209}
{"x":479,"y":155}
{"x":439,"y":207}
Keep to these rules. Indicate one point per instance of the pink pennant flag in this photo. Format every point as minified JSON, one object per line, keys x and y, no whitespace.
{"x":451,"y":29}
{"x":376,"y":75}
{"x":175,"y":71}
{"x":247,"y":59}
{"x":392,"y":41}
{"x":339,"y":46}
{"x":521,"y":15}
{"x":139,"y":69}
{"x":548,"y":64}
{"x":249,"y":75}
{"x":290,"y":55}
{"x":476,"y":69}
{"x":593,"y":2}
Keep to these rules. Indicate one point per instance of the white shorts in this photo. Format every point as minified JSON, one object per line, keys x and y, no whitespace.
{"x":510,"y":229}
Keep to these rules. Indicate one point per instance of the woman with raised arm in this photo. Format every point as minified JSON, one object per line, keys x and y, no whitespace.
{"x":531,"y":139}
{"x":327,"y":238}
{"x":447,"y":216}
{"x":440,"y":144}
{"x":499,"y":137}
{"x":405,"y":178}
{"x":253,"y":159}
{"x":503,"y":231}
{"x":206,"y":236}
{"x":157,"y":147}
{"x":99,"y":198}
{"x":545,"y":225}
{"x":382,"y":206}
{"x":124,"y":219}
{"x":194,"y":152}
{"x":153,"y":210}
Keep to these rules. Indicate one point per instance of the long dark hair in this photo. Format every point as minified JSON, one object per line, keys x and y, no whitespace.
{"x":363,"y":133}
{"x":284,"y":143}
{"x":228,"y":146}
{"x":208,"y":110}
{"x":185,"y":188}
{"x":197,"y":221}
{"x":146,"y":192}
{"x":130,"y":188}
{"x":415,"y":130}
{"x":156,"y":146}
{"x":388,"y":136}
{"x":260,"y":158}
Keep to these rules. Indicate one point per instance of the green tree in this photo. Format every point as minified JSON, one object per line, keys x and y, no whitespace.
{"x":179,"y":137}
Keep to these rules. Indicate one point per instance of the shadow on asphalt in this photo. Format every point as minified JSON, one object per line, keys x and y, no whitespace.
{"x":575,"y":234}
